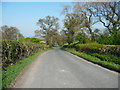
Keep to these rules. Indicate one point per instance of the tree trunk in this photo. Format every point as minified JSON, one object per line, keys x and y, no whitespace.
{"x":92,"y":34}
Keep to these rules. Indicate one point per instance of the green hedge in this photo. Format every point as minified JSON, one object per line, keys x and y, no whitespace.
{"x":105,"y":55}
{"x":13,"y":51}
{"x":89,"y":47}
{"x":98,"y":48}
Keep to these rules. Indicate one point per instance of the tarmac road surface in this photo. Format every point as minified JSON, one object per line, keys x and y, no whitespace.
{"x":60,"y":69}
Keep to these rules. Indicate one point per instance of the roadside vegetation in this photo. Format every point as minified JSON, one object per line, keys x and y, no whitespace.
{"x":112,"y":63}
{"x":81,"y":35}
{"x":14,"y":70}
{"x":84,"y":38}
{"x":14,"y":51}
{"x":17,"y":53}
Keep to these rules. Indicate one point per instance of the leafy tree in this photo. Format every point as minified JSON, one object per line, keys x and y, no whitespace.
{"x":81,"y":37}
{"x":71,"y":25}
{"x":85,"y":12}
{"x":10,"y":33}
{"x":48,"y":29}
{"x":37,"y":34}
{"x":61,"y":38}
{"x":107,"y":38}
{"x":35,"y":40}
{"x":104,"y":39}
{"x":108,"y":13}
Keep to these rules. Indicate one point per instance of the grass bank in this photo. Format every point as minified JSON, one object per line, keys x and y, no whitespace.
{"x":13,"y":71}
{"x":106,"y":64}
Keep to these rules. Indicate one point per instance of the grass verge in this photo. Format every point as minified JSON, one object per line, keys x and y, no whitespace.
{"x":109,"y":65}
{"x":13,"y":71}
{"x":107,"y":57}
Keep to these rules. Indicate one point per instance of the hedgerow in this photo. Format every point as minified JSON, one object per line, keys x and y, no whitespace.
{"x":95,"y":48}
{"x":105,"y":53}
{"x":13,"y":51}
{"x":89,"y":47}
{"x":108,"y":64}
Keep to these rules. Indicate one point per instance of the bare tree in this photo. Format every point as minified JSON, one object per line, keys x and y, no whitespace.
{"x":109,"y":15}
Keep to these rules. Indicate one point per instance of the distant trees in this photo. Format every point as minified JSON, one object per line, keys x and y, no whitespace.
{"x":10,"y":33}
{"x":79,"y":25}
{"x":61,"y":38}
{"x":48,"y":29}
